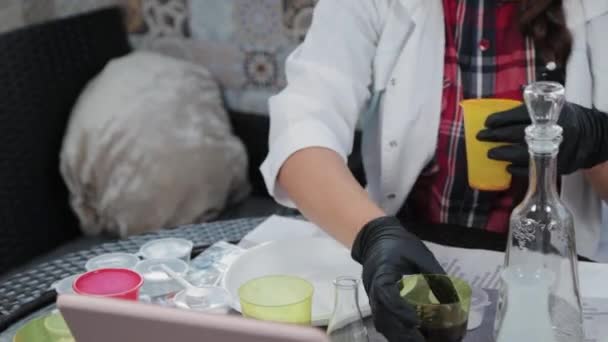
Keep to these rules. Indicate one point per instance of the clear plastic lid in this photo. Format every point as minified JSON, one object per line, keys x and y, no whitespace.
{"x":64,"y":286}
{"x":207,"y":299}
{"x":479,"y":298}
{"x":152,"y":271}
{"x":112,"y":260}
{"x":479,"y":302}
{"x":167,"y":248}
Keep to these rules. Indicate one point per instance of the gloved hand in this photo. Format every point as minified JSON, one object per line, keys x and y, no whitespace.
{"x":388,"y":251}
{"x":584,"y":145}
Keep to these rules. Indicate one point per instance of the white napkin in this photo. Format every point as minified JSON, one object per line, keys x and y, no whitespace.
{"x":281,"y":228}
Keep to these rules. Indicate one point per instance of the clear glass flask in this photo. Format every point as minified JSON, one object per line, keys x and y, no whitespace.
{"x":346,"y":323}
{"x":540,"y":298}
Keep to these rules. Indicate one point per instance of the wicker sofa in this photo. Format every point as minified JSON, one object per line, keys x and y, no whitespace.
{"x":41,"y":75}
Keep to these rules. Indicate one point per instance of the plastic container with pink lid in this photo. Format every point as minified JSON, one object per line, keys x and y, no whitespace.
{"x":118,"y":283}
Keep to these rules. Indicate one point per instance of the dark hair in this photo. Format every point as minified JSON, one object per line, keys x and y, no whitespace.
{"x":545,"y":22}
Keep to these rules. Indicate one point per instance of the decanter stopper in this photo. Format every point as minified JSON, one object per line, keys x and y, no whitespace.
{"x":545,"y":101}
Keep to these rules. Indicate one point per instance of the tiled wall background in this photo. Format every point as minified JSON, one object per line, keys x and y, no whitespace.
{"x":244,"y":43}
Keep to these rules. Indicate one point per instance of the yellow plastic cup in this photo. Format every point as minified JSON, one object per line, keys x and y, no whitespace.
{"x":277,"y":298}
{"x":484,"y":174}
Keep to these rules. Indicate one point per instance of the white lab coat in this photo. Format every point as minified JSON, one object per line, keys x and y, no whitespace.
{"x":387,"y":55}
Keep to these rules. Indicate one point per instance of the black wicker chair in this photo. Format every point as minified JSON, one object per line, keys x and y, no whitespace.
{"x":43,"y":68}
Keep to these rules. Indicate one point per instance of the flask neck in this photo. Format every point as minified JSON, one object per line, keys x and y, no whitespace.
{"x":543,"y":176}
{"x":346,"y":294}
{"x":346,"y":323}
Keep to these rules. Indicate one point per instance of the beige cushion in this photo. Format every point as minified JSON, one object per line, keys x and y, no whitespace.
{"x":149,"y":145}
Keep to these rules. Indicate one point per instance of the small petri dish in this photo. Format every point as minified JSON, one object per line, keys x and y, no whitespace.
{"x":156,"y":281}
{"x":65,"y":285}
{"x":209,"y":299}
{"x":112,"y":260}
{"x":167,"y":248}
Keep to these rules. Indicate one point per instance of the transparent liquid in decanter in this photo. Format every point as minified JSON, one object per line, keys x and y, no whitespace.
{"x":529,"y":294}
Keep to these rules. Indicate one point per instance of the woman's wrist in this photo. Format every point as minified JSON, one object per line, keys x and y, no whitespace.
{"x":362,"y":220}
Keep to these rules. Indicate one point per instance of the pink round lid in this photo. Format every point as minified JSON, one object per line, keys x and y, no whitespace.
{"x":108,"y":282}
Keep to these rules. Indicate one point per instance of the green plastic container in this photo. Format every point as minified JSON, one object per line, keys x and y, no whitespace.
{"x":445,"y":322}
{"x":49,"y":328}
{"x":277,"y":298}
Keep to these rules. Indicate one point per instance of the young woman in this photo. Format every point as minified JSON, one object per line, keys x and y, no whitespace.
{"x":413,"y":61}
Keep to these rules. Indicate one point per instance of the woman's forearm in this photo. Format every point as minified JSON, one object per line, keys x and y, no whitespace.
{"x":327,"y":193}
{"x":598,"y":177}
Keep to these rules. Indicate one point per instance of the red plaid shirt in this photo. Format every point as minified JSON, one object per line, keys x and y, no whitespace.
{"x":486,"y":57}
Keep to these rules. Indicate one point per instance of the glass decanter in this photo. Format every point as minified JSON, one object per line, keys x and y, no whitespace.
{"x":346,"y":323}
{"x":539,"y":297}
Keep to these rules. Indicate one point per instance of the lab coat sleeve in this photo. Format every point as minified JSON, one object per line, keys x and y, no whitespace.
{"x":597,"y":28}
{"x":327,"y":86}
{"x":598,"y":52}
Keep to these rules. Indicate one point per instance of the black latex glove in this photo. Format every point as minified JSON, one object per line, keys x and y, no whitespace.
{"x":388,"y":251}
{"x":584,"y":145}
